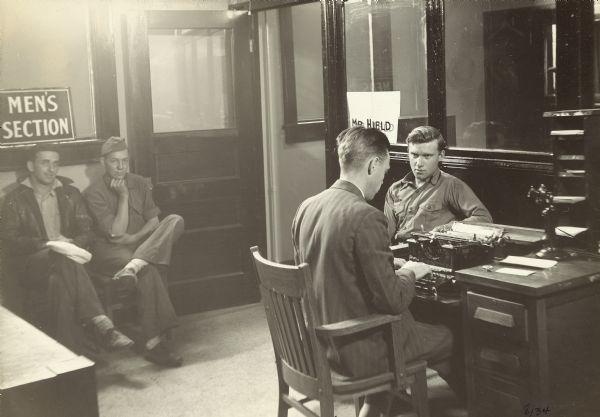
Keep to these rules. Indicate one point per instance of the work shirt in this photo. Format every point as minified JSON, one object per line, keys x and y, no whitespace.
{"x":103,"y":202}
{"x":440,"y":200}
{"x":48,"y":204}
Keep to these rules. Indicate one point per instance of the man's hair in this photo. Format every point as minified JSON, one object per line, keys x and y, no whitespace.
{"x":426,"y":134}
{"x":41,"y":147}
{"x":357,"y":144}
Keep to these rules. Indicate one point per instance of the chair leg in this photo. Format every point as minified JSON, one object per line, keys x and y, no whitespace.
{"x":358,"y":401}
{"x":284,"y":389}
{"x":327,"y":409}
{"x":419,"y":395}
{"x":282,"y":411}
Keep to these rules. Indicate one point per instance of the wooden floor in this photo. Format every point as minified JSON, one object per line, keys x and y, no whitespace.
{"x":228,"y":371}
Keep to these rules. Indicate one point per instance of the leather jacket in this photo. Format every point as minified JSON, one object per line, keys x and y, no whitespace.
{"x":21,"y":225}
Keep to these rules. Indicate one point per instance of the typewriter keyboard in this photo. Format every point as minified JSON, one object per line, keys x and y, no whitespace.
{"x":429,"y":285}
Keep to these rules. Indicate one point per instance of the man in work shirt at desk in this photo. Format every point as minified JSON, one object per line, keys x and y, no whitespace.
{"x":427,"y":197}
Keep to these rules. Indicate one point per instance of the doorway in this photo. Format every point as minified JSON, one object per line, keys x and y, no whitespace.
{"x":193,"y":125}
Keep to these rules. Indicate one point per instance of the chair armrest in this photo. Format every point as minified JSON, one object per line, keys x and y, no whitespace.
{"x":356,"y":325}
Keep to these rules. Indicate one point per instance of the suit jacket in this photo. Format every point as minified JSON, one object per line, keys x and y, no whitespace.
{"x":345,"y":242}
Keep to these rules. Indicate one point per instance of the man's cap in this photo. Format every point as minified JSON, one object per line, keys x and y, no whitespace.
{"x":113,"y":144}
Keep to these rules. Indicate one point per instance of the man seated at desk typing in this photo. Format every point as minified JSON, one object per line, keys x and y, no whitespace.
{"x":427,"y":197}
{"x":343,"y":239}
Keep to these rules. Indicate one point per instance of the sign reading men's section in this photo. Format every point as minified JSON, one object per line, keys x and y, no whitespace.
{"x":28,"y":116}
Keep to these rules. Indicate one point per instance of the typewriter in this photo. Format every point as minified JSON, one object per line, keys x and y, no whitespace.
{"x":461,"y":245}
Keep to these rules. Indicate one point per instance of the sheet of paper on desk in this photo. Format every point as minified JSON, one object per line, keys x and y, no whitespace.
{"x":569,"y":231}
{"x":515,"y":271}
{"x":399,"y":246}
{"x":530,"y":262}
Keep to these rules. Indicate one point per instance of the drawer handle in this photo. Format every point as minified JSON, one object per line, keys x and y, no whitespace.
{"x":495,"y":317}
{"x":505,"y":359}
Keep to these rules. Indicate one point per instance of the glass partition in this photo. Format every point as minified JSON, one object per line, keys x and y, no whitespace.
{"x":308,"y":60}
{"x":500,"y":73}
{"x":597,"y":53}
{"x":386,"y":51}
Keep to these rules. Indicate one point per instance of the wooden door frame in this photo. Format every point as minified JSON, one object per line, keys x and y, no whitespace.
{"x":140,"y":120}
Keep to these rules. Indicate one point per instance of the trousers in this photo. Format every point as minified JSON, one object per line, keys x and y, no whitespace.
{"x":65,"y":288}
{"x":155,"y":309}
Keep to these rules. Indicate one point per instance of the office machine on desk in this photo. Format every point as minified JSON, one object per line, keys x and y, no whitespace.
{"x":458,"y":246}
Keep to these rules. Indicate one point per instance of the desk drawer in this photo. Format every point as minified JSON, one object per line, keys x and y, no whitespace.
{"x":496,"y":397}
{"x":512,"y":362}
{"x":497,"y":316}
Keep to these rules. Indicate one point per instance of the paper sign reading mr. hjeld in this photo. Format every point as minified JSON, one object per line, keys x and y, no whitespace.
{"x":378,"y":109}
{"x":35,"y":115}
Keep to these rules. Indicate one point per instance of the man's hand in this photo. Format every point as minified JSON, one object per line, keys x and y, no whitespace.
{"x":125,"y":239}
{"x":399,"y":263}
{"x":120,"y":186}
{"x":419,"y":268}
{"x":443,"y":227}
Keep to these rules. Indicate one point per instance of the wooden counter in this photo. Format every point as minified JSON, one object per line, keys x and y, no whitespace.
{"x":41,"y":378}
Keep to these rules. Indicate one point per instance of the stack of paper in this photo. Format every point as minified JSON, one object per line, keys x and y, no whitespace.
{"x":530,"y":262}
{"x":523,"y":261}
{"x":569,"y":231}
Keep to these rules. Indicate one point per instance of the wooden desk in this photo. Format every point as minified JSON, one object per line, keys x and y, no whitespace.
{"x":532,"y":341}
{"x":41,"y":378}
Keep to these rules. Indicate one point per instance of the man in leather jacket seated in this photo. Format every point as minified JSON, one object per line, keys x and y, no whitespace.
{"x":45,"y":228}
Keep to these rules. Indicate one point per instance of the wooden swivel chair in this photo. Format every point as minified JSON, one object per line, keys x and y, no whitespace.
{"x":300,"y":343}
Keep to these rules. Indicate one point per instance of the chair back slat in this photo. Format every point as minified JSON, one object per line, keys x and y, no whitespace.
{"x":287,"y":329}
{"x":304,"y":336}
{"x":274,"y":328}
{"x":283,"y":288}
{"x":294,"y":323}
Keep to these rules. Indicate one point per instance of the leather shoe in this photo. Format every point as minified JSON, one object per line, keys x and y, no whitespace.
{"x":127,"y":273}
{"x":160,"y":355}
{"x":114,"y":339}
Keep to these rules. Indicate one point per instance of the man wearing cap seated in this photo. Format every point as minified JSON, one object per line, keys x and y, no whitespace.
{"x":131,"y":243}
{"x":45,"y":227}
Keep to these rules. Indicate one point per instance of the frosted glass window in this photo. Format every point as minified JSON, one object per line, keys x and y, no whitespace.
{"x":45,"y":44}
{"x":192,"y":79}
{"x":308,"y":58}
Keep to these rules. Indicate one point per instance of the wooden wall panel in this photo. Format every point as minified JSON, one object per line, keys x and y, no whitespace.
{"x":208,"y":253}
{"x":502,"y":189}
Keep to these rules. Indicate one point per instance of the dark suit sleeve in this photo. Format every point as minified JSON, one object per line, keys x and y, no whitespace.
{"x":391,"y":293}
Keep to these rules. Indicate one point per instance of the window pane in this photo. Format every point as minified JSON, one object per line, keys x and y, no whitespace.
{"x":500,"y":73}
{"x":386,"y":51}
{"x":191,"y":75}
{"x":308,"y":67}
{"x":45,"y":44}
{"x":596,"y":53}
